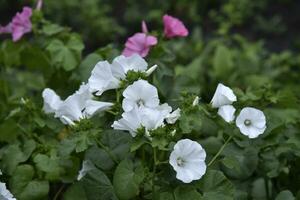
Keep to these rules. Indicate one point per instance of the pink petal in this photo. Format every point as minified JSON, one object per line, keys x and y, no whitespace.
{"x":6,"y":29}
{"x":144,"y":27}
{"x":173,"y":27}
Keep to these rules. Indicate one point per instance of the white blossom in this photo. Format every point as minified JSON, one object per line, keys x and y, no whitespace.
{"x":106,"y":76}
{"x":140,"y":93}
{"x":142,"y":117}
{"x":172,"y":117}
{"x":76,"y":107}
{"x":223,"y":96}
{"x":227,"y":113}
{"x":251,"y":122}
{"x":51,"y":101}
{"x":188,"y":160}
{"x":5,"y":194}
{"x":86,"y":167}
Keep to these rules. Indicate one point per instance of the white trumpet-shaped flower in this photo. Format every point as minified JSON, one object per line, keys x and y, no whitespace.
{"x":251,"y":122}
{"x":140,"y":93}
{"x":172,"y":117}
{"x":51,"y":101}
{"x":142,"y":117}
{"x":5,"y":194}
{"x":223,"y":96}
{"x":86,"y":167}
{"x":188,"y":160}
{"x":102,"y":78}
{"x":106,"y":76}
{"x":227,"y":113}
{"x":77,"y":106}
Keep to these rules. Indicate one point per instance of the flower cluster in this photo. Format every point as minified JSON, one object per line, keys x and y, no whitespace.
{"x":250,"y":121}
{"x":141,"y":42}
{"x":143,"y":112}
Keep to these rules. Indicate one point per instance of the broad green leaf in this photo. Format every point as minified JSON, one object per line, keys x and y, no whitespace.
{"x":190,"y":193}
{"x":8,"y":131}
{"x":127,"y":180}
{"x":49,"y":165}
{"x":97,"y":186}
{"x":23,"y":187}
{"x":215,"y":183}
{"x":75,"y":192}
{"x":14,"y":154}
{"x":285,"y":195}
{"x":99,"y":157}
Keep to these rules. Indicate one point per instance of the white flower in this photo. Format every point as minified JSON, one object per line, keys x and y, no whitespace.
{"x":51,"y":101}
{"x":106,"y":76}
{"x":5,"y":194}
{"x":121,"y":65}
{"x":172,"y":117}
{"x":223,"y":96}
{"x":196,"y":101}
{"x":102,"y":78}
{"x":86,"y":167}
{"x":140,"y":93}
{"x":137,"y":118}
{"x":188,"y":160}
{"x":227,"y":112}
{"x":251,"y":122}
{"x":77,"y":106}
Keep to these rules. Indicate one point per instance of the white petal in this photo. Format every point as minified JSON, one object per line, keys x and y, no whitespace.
{"x":140,"y":92}
{"x":223,"y":96}
{"x":227,"y":113}
{"x":134,"y":62}
{"x":51,"y":101}
{"x":152,"y":118}
{"x":5,"y":194}
{"x":130,"y":121}
{"x":93,"y":106}
{"x":72,"y":108}
{"x":172,"y":118}
{"x":196,"y":101}
{"x":102,"y":78}
{"x":67,"y":121}
{"x":86,"y":167}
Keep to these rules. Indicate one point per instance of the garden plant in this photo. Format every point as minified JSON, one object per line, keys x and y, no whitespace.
{"x":161,"y":100}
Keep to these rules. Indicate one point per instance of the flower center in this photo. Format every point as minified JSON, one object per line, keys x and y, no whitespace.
{"x":247,"y":122}
{"x":180,"y":162}
{"x":140,"y":102}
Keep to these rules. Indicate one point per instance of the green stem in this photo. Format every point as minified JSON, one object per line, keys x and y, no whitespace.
{"x":220,"y":151}
{"x":154,"y":171}
{"x":58,"y":192}
{"x":107,"y":151}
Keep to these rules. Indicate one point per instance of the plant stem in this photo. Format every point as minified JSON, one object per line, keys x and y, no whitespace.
{"x":107,"y":151}
{"x":154,"y":171}
{"x":220,"y":151}
{"x":58,"y":192}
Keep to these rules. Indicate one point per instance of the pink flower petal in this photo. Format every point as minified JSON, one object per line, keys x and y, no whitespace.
{"x":173,"y":27}
{"x":144,"y":27}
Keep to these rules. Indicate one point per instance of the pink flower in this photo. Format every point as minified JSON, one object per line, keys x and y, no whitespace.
{"x":19,"y":25}
{"x":139,"y":43}
{"x":174,"y":27}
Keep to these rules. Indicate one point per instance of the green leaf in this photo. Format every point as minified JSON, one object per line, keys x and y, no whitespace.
{"x":222,"y":61}
{"x":97,"y":186}
{"x":67,"y":55}
{"x":97,"y":155}
{"x":52,"y":29}
{"x":127,"y":180}
{"x":23,"y":187}
{"x":87,"y":65}
{"x":214,"y":183}
{"x":13,"y":155}
{"x":285,"y":195}
{"x":75,"y":192}
{"x":185,"y":192}
{"x":8,"y":131}
{"x":49,"y":165}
